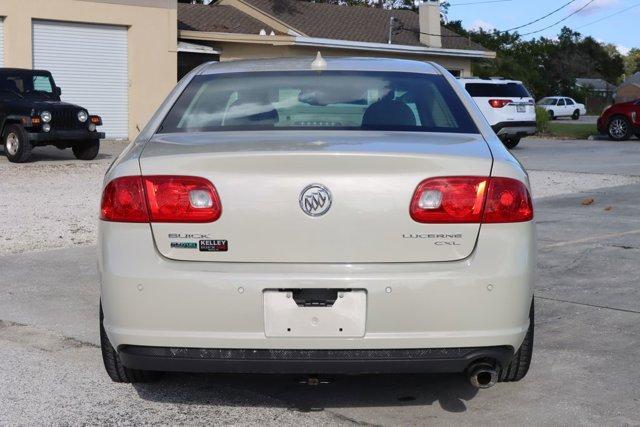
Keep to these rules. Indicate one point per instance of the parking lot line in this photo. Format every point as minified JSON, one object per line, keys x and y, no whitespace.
{"x":589,"y":239}
{"x":586,"y":304}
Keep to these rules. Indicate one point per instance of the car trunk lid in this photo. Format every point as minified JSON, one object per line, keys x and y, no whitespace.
{"x":371,"y":177}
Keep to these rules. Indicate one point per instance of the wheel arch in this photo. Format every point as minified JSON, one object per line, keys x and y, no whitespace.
{"x":8,"y":121}
{"x":617,"y":116}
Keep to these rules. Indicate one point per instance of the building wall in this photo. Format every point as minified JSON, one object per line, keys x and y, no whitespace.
{"x":236,"y":51}
{"x":152,"y":42}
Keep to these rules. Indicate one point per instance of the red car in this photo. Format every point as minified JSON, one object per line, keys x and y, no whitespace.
{"x":620,"y":121}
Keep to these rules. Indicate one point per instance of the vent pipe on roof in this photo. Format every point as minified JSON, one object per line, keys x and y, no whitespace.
{"x":429,"y":16}
{"x":392,"y":21}
{"x":319,"y":63}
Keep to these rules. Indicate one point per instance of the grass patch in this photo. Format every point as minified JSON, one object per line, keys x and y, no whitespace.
{"x":571,"y":131}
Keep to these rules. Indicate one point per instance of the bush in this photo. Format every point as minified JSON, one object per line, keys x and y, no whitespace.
{"x":542,"y":120}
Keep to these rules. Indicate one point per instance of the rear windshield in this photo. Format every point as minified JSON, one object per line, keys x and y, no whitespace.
{"x":500,"y":90}
{"x":318,"y":100}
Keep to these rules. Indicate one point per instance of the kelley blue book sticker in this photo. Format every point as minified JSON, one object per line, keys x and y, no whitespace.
{"x":214,"y":246}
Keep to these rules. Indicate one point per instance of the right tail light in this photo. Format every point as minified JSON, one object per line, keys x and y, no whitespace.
{"x":471,"y":199}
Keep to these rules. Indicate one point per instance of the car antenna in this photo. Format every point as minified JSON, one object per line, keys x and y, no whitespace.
{"x":319,"y":63}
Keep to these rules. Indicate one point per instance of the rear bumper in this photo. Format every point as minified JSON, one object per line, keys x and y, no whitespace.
{"x":55,"y":136}
{"x":308,"y":361}
{"x":515,"y":128}
{"x":481,"y":301}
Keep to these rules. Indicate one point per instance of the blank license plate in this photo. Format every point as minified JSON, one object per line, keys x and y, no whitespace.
{"x":345,"y":318}
{"x":521,"y":108}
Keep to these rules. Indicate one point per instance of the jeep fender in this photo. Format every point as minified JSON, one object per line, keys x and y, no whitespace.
{"x":9,"y":120}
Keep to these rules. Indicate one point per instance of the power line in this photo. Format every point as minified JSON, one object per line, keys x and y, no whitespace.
{"x":478,"y":2}
{"x":608,"y":16}
{"x":529,"y":23}
{"x":560,"y":21}
{"x":541,"y":18}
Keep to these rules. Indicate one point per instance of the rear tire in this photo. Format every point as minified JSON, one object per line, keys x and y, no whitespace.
{"x":519,"y":366}
{"x":552,"y":116}
{"x":511,"y":142}
{"x":576,"y":115}
{"x":17,"y":146}
{"x":115,"y":369}
{"x":619,"y":128}
{"x":87,"y":150}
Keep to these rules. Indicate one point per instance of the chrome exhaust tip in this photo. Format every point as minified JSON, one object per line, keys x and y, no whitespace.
{"x":482,"y":375}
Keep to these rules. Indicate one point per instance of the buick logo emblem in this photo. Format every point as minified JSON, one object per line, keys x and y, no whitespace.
{"x":315,"y":200}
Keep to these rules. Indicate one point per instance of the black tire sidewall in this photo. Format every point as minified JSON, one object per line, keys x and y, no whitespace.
{"x":24,"y":145}
{"x":519,"y":366}
{"x":576,"y":115}
{"x":511,"y":142}
{"x":87,"y":150}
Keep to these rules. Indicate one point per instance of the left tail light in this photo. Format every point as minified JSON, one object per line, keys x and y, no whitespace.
{"x":160,"y":198}
{"x":471,"y":199}
{"x":499,"y":103}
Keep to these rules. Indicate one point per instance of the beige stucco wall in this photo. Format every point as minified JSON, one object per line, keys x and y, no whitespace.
{"x":234,"y":51}
{"x":152,"y":41}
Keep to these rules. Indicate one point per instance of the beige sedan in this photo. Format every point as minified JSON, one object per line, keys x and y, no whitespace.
{"x":339,"y":215}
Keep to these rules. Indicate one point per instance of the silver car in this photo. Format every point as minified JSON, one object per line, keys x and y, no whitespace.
{"x":339,"y":215}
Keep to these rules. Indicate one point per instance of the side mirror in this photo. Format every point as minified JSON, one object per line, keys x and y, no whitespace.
{"x":58,"y":91}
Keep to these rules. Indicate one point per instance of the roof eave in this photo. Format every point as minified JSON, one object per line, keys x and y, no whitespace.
{"x":280,"y":40}
{"x":275,"y":40}
{"x":395,"y":48}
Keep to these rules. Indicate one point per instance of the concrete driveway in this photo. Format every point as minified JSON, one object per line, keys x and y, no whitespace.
{"x":585,"y":363}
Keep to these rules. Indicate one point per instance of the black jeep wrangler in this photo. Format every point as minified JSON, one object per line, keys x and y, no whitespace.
{"x":31,"y":115}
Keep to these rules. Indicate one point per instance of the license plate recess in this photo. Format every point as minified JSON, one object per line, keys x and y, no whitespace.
{"x":315,"y":312}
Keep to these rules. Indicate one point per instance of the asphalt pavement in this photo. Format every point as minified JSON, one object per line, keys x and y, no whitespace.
{"x":584,"y":370}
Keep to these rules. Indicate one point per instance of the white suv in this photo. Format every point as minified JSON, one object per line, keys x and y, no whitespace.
{"x":507,"y":105}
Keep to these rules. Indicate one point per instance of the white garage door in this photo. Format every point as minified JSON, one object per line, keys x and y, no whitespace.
{"x":1,"y":42}
{"x":89,"y":63}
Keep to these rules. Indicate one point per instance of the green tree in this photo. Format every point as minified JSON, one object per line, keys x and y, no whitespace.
{"x":546,"y":66}
{"x":632,"y":62}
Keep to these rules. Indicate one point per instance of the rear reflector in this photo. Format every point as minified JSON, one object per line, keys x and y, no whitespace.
{"x":471,"y":199}
{"x":160,"y":198}
{"x":499,"y":103}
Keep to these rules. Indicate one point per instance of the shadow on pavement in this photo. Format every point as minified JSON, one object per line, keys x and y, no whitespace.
{"x":288,"y":391}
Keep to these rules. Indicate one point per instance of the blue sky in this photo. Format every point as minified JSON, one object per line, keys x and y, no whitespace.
{"x":621,"y":29}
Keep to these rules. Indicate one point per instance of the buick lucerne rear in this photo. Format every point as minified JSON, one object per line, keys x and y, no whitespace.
{"x":317,"y":216}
